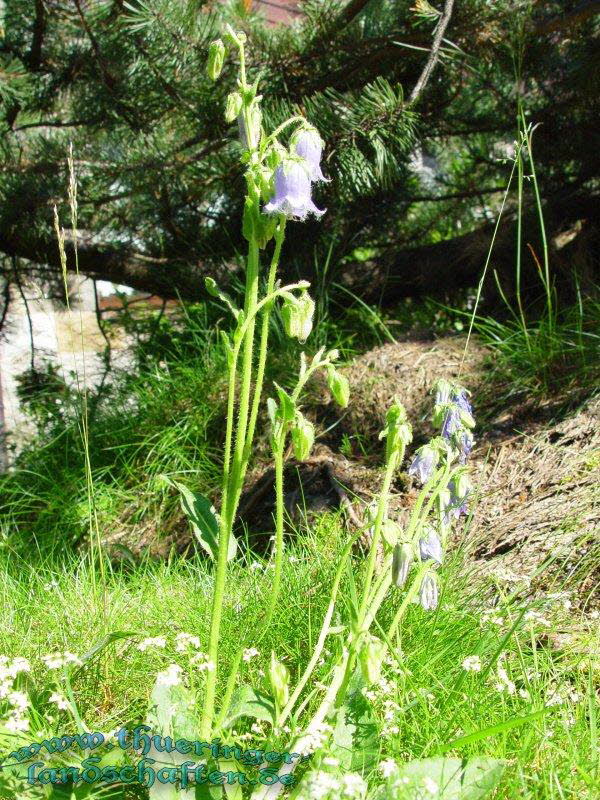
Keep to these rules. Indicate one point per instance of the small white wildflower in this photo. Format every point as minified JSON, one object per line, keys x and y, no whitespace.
{"x":524,"y":694}
{"x":504,"y":683}
{"x":387,"y":767}
{"x":203,"y":663}
{"x":249,"y":653}
{"x":390,"y":730}
{"x":535,"y":617}
{"x":16,"y":723}
{"x":493,"y":617}
{"x":19,"y":665}
{"x":170,"y":677}
{"x":19,"y":700}
{"x":54,"y":660}
{"x":186,"y":640}
{"x":430,"y":785}
{"x":61,"y":702}
{"x":151,"y":641}
{"x":472,"y":664}
{"x":256,"y":565}
{"x":353,"y":785}
{"x":329,"y":761}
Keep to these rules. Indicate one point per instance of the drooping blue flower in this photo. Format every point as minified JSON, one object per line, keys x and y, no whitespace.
{"x":292,"y":192}
{"x":430,"y":547}
{"x":424,"y":463}
{"x":457,"y":502}
{"x":452,"y":422}
{"x":401,"y":563}
{"x":465,"y":443}
{"x":308,"y":145}
{"x":428,"y":592}
{"x":462,"y":401}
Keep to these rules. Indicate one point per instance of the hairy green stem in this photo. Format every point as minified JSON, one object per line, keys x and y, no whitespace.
{"x":232,"y":489}
{"x":382,"y":507}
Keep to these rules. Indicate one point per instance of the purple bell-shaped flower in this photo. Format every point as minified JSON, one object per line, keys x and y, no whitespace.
{"x":308,"y":145}
{"x":424,"y":463}
{"x":292,"y":192}
{"x":430,"y":547}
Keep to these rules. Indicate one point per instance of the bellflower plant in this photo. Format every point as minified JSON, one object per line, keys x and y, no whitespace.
{"x":282,"y":174}
{"x":403,"y":556}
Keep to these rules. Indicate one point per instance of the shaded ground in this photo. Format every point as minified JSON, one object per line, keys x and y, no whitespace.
{"x":538,"y":479}
{"x":538,"y":516}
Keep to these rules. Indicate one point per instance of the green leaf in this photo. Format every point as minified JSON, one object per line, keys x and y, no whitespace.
{"x":203,"y":519}
{"x":492,"y":730}
{"x":442,"y":779}
{"x":355,"y":740}
{"x":106,"y":640}
{"x":287,"y":406}
{"x":172,"y":712}
{"x":248,"y":702}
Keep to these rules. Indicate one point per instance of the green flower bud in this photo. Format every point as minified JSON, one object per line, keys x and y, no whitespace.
{"x":462,"y":484}
{"x":211,"y":287}
{"x":279,"y":680}
{"x":297,"y":314}
{"x":370,"y":656}
{"x":250,"y":129}
{"x":401,"y":563}
{"x":398,"y":431}
{"x":339,"y":387}
{"x":303,"y":437}
{"x":216,"y":57}
{"x":233,"y":106}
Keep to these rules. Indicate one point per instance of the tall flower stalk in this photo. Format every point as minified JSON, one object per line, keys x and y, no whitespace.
{"x":278,"y":188}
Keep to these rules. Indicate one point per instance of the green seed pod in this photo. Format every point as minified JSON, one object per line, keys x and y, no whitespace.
{"x":370,"y":657}
{"x":233,"y":106}
{"x":216,"y":57}
{"x":303,"y":437}
{"x":279,"y":680}
{"x":339,"y":387}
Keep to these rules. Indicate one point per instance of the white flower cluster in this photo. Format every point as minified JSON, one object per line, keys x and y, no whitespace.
{"x":58,"y":660}
{"x":17,"y":702}
{"x":322,"y":785}
{"x":151,"y":641}
{"x":186,"y":641}
{"x":203,"y":663}
{"x":314,"y":740}
{"x":170,"y":677}
{"x":472,"y":664}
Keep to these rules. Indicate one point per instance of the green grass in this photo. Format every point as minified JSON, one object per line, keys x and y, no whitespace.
{"x":547,"y":356}
{"x":47,"y":607}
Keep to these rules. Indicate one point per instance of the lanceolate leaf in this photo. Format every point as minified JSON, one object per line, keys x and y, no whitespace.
{"x":248,"y":702}
{"x":442,"y":779}
{"x":203,"y":519}
{"x":355,"y":734}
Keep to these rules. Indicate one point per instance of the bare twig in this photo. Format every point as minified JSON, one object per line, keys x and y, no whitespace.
{"x":434,"y":53}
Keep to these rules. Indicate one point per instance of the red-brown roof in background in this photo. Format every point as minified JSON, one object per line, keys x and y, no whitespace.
{"x":277,"y":11}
